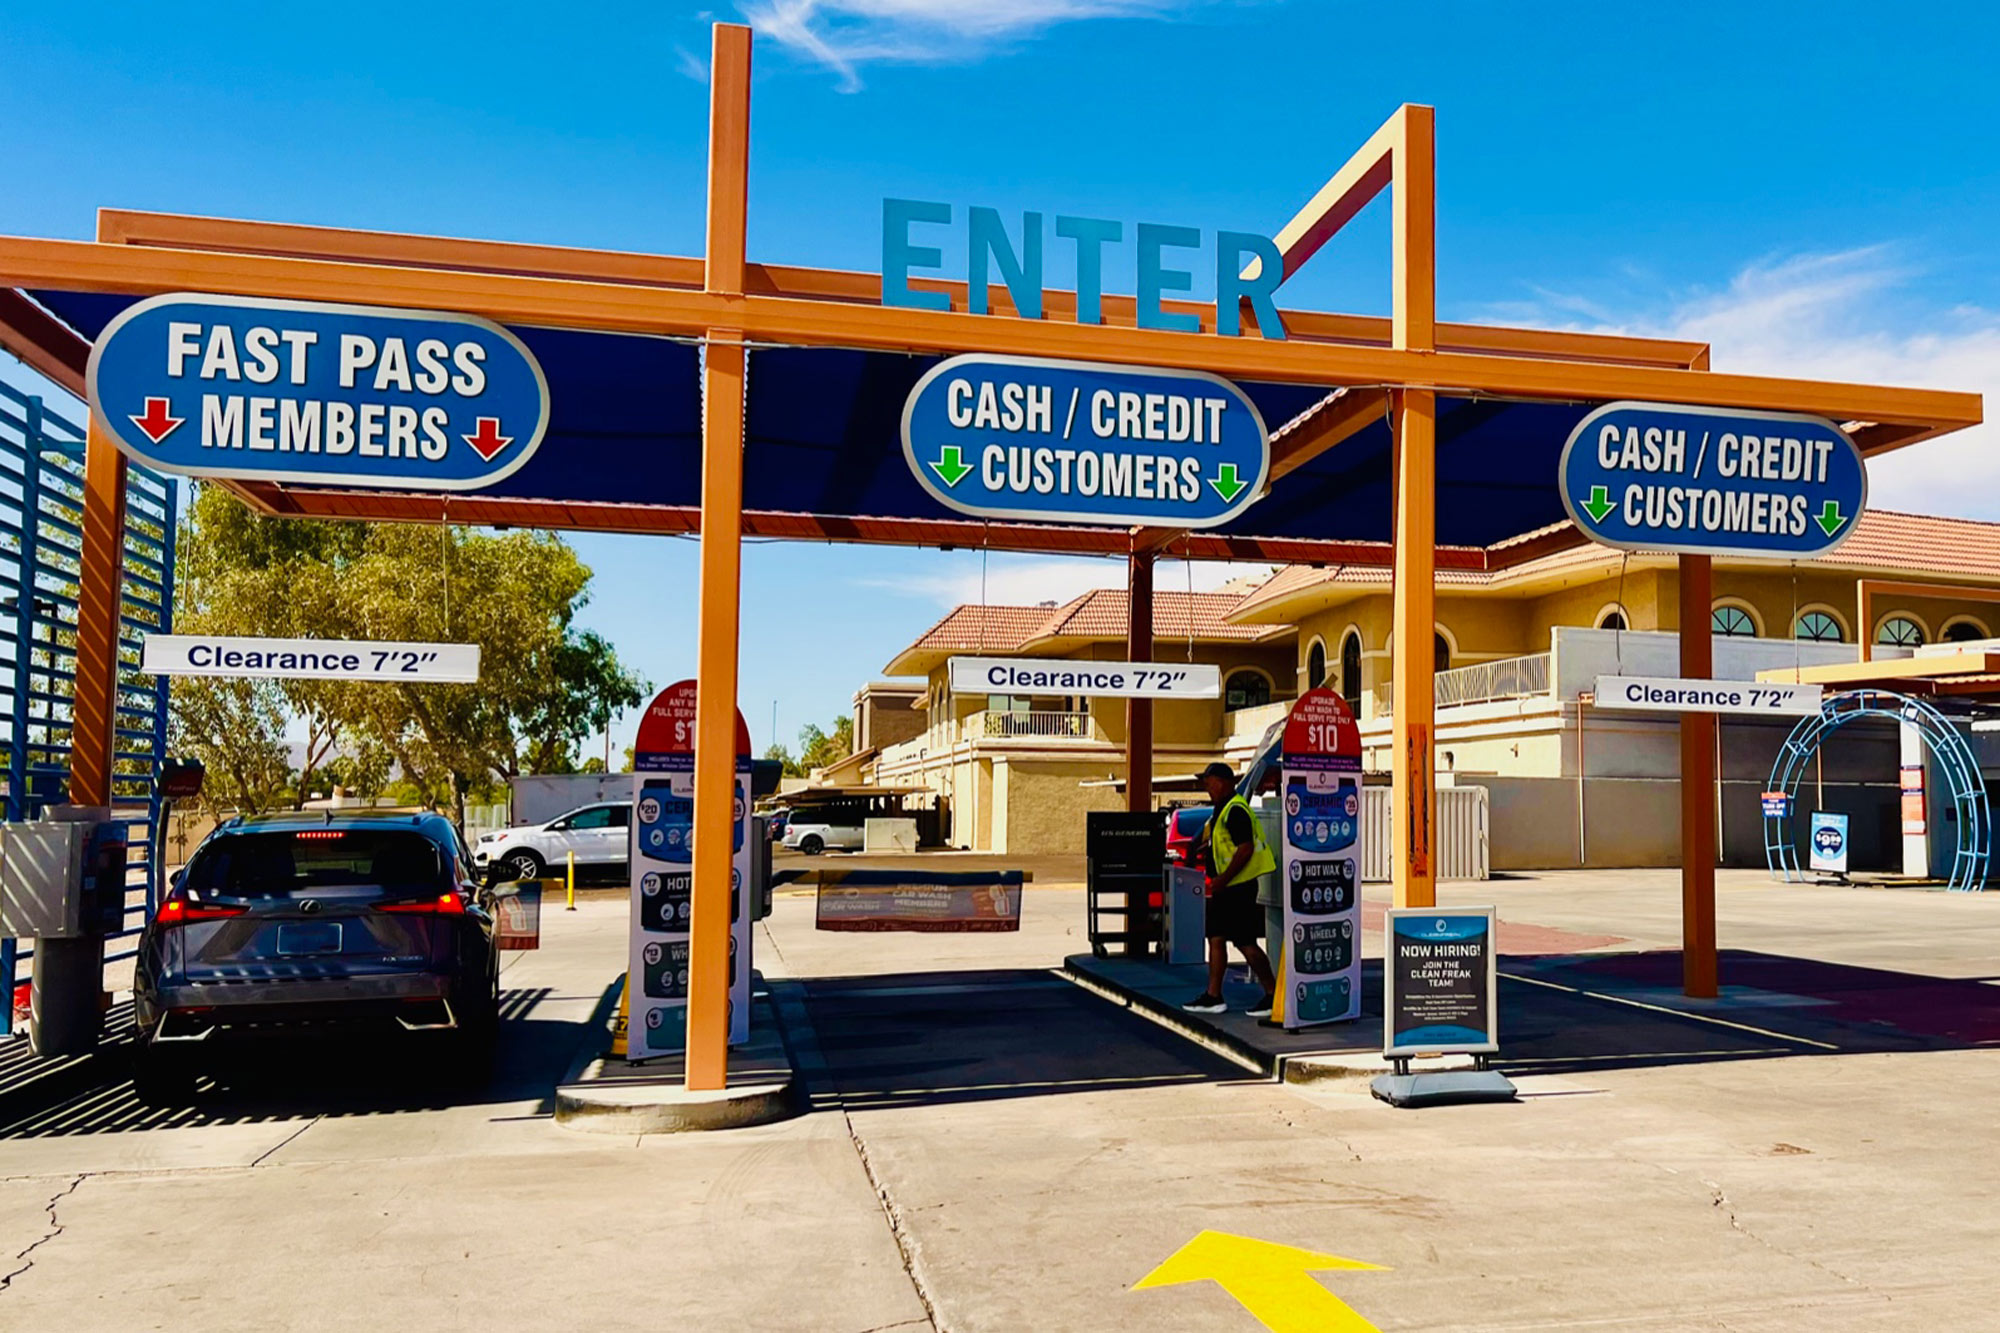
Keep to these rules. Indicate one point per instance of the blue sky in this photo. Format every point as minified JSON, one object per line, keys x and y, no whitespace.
{"x":1811,"y":187}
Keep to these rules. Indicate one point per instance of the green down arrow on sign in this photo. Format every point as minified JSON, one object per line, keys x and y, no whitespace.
{"x":1599,"y":504}
{"x":1226,"y":482}
{"x":1829,"y":517}
{"x":949,"y":467}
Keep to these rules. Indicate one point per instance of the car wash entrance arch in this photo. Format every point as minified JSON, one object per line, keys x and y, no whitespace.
{"x":731,"y":398}
{"x":1972,"y":811}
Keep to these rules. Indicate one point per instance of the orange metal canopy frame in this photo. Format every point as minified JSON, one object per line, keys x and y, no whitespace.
{"x":1371,"y":367}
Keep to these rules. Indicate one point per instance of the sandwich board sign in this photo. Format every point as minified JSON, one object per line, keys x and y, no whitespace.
{"x":1439,"y":979}
{"x":1829,"y":842}
{"x":662,"y":860}
{"x":1321,"y":862}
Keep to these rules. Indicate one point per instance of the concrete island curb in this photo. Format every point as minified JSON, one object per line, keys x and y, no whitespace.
{"x":600,"y":1095}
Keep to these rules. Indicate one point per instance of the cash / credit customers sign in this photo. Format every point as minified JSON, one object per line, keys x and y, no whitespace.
{"x":1078,"y":442}
{"x":1712,"y":481}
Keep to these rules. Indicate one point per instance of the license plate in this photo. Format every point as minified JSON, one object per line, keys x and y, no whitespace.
{"x":313,"y":937}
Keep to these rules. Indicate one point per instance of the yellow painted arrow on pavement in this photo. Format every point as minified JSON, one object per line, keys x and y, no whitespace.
{"x":1273,"y":1282}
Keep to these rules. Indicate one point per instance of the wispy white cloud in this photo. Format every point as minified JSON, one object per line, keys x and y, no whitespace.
{"x":1849,"y":315}
{"x":1026,"y":580}
{"x":845,"y":35}
{"x":690,"y":64}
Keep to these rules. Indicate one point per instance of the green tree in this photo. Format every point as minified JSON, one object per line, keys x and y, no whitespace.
{"x":788,"y":765}
{"x":544,"y":684}
{"x":817,"y":748}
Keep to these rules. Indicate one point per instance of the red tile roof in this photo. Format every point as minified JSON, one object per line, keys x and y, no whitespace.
{"x":1096,"y":615}
{"x":1885,"y":541}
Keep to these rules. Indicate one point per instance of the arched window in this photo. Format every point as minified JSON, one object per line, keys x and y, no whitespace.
{"x":1900,"y":632}
{"x":1818,"y":627}
{"x":1350,"y":672}
{"x":1440,"y":653}
{"x":1316,"y":665}
{"x":1246,"y":689}
{"x":1613,"y":619}
{"x":1964,"y":631}
{"x":1732,"y":622}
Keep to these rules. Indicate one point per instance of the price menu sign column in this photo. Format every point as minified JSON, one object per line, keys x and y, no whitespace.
{"x":1321,"y":863}
{"x":662,"y":861}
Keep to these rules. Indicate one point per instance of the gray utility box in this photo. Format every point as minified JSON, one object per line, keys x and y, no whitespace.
{"x":41,"y":879}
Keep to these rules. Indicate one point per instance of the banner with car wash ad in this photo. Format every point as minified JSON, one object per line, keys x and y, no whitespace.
{"x":662,"y":860}
{"x":1321,"y":862}
{"x":925,"y":901}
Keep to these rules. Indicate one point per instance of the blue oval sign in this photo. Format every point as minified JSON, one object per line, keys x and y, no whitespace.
{"x":1076,"y":442}
{"x":300,"y":391}
{"x":1712,"y":481}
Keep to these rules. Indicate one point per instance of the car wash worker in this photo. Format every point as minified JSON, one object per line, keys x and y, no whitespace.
{"x":1237,"y":855}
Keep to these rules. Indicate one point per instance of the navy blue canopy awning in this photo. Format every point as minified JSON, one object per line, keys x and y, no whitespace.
{"x":823,"y":439}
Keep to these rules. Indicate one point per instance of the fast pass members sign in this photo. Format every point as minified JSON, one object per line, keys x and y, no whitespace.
{"x":1710,"y":481}
{"x":1077,"y":442}
{"x":662,"y":859}
{"x":299,"y":391}
{"x":1322,"y":861}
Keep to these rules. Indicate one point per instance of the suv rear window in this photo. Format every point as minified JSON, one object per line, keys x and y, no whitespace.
{"x":272,"y":863}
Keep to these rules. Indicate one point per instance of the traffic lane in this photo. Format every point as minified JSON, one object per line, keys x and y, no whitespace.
{"x":919,"y":1039}
{"x":305,"y":1099}
{"x":772,"y":1228}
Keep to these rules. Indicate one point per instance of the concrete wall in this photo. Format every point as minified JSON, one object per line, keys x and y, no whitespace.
{"x":1636,"y":822}
{"x":1039,"y":805}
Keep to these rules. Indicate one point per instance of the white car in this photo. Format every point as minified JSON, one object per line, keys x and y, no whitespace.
{"x":598,"y":835}
{"x":814,"y":833}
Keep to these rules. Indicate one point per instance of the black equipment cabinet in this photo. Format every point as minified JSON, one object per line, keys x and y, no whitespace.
{"x":1125,"y":873}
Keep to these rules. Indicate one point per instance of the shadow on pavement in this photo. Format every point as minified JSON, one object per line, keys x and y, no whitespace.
{"x":931,"y":1038}
{"x":1591,"y":1011}
{"x":284,"y":1078}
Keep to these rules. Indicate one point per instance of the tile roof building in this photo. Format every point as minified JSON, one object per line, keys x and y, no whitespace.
{"x":1518,"y":650}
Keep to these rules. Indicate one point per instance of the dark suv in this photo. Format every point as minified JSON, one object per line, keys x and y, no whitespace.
{"x":317,"y":920}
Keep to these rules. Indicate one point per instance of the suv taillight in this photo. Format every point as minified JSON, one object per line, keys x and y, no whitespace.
{"x":445,"y":904}
{"x":178,"y":910}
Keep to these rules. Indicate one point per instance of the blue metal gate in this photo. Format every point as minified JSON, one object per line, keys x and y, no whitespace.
{"x":41,"y":515}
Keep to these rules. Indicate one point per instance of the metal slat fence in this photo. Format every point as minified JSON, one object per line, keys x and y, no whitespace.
{"x":41,"y":517}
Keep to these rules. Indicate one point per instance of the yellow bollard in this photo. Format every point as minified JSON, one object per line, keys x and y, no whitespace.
{"x":570,"y":906}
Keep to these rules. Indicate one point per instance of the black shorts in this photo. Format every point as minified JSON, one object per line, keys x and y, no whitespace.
{"x":1233,"y":914}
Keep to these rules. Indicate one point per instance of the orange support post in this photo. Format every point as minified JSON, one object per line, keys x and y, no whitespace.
{"x":1139,"y":712}
{"x":720,"y":615}
{"x":100,"y":591}
{"x":1413,"y":327}
{"x":1414,"y":702}
{"x":1698,"y":961}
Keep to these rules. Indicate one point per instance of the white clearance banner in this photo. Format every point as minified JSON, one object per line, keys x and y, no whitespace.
{"x":1109,"y":680}
{"x":309,"y":659}
{"x":1662,"y":694}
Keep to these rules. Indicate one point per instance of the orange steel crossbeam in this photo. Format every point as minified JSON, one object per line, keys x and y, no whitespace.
{"x":397,"y":249}
{"x":612,"y":307}
{"x":41,"y":342}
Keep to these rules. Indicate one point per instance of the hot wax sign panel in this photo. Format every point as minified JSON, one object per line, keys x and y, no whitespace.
{"x":302,"y":391}
{"x":1706,"y":480}
{"x":1076,"y":442}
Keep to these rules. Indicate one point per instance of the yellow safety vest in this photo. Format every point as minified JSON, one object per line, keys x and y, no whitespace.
{"x":1222,"y":851}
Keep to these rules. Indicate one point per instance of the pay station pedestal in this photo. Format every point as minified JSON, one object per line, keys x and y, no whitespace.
{"x":62,"y":883}
{"x":1126,"y":859}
